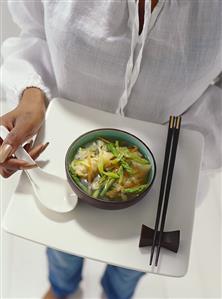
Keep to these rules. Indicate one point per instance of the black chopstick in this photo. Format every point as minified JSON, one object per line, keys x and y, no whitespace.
{"x":163,"y":180}
{"x":169,"y":180}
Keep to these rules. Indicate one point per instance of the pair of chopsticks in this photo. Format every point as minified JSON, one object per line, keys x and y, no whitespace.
{"x":167,"y":174}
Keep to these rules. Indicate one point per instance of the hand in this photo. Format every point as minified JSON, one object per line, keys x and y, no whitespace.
{"x":23,"y":122}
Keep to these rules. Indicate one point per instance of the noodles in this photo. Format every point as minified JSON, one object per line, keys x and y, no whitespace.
{"x":110,"y":170}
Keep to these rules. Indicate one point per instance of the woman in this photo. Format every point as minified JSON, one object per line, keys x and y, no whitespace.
{"x":144,"y":59}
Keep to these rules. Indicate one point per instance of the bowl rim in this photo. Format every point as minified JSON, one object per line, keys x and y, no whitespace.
{"x":103,"y":200}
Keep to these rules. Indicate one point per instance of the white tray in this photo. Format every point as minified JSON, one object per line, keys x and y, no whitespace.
{"x":110,"y":236}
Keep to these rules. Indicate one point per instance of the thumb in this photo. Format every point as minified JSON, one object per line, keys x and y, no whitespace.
{"x":14,"y":138}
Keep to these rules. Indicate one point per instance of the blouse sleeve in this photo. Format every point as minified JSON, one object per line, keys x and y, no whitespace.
{"x":26,"y":59}
{"x":205,"y":116}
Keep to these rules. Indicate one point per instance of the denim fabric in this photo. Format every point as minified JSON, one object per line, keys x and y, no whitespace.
{"x":120,"y":283}
{"x":65,"y":274}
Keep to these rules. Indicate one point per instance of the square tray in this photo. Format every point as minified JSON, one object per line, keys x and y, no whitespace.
{"x":109,"y":236}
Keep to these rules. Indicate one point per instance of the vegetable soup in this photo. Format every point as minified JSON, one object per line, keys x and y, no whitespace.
{"x":110,"y":170}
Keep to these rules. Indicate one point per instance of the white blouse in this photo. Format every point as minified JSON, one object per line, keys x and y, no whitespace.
{"x":90,"y":52}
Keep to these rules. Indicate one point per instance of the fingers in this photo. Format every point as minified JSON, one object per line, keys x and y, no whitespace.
{"x":11,"y":165}
{"x":28,"y":146}
{"x":7,"y":120}
{"x":6,"y":173}
{"x":6,"y":148}
{"x":24,"y":125}
{"x":17,"y":164}
{"x":9,"y":145}
{"x":5,"y":151}
{"x":14,"y":138}
{"x":37,"y":150}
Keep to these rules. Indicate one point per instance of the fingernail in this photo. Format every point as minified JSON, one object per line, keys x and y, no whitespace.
{"x":28,"y":166}
{"x":5,"y":151}
{"x":45,"y":146}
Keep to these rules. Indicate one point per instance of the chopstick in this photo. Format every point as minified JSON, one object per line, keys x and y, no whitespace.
{"x":167,"y":174}
{"x":169,"y":180}
{"x":163,"y":181}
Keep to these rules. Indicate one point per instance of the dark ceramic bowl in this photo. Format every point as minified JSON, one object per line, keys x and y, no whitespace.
{"x":116,"y":135}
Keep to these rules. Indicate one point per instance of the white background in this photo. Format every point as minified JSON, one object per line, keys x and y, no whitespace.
{"x":23,"y":263}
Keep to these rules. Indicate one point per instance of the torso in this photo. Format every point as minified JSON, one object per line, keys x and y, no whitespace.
{"x":181,"y":56}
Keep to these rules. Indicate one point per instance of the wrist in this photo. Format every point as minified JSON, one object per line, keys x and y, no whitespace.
{"x":34,"y":97}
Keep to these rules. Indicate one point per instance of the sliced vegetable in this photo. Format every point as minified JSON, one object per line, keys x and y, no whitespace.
{"x":96,"y":193}
{"x":120,"y":172}
{"x":138,"y":159}
{"x":126,"y":166}
{"x":100,"y":184}
{"x":111,"y":174}
{"x":111,"y":147}
{"x":107,"y":186}
{"x":90,"y":171}
{"x":79,"y":183}
{"x":138,"y":189}
{"x":100,"y":164}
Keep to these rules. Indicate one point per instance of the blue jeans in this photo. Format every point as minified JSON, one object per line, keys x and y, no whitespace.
{"x":65,"y":273}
